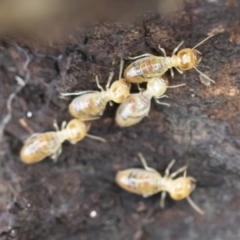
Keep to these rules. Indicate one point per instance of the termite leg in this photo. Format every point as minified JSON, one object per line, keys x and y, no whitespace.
{"x":57,"y":154}
{"x":178,"y":85}
{"x":98,"y":85}
{"x":176,"y":49}
{"x":96,"y":138}
{"x":182,"y":169}
{"x":121,"y":69}
{"x":141,"y":56}
{"x":30,"y":138}
{"x":162,"y":50}
{"x":162,"y":103}
{"x":162,"y":199}
{"x":64,"y":124}
{"x":76,"y":93}
{"x":109,"y":79}
{"x":91,"y":118}
{"x":55,"y":125}
{"x":163,"y":96}
{"x":59,"y":151}
{"x":139,"y":88}
{"x":180,"y":71}
{"x":167,"y":171}
{"x":145,"y":163}
{"x":172,"y":72}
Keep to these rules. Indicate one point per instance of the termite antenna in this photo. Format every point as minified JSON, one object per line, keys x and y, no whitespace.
{"x":96,"y":138}
{"x":195,"y":206}
{"x":204,"y":75}
{"x":204,"y":40}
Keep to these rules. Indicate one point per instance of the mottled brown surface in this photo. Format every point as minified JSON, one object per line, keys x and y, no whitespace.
{"x":201,"y":129}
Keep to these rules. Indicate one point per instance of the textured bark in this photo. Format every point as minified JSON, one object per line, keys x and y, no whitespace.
{"x":201,"y":129}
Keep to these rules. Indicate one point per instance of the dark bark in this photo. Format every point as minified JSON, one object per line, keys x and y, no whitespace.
{"x":201,"y":129}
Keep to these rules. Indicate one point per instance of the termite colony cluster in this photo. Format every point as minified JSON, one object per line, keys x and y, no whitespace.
{"x":90,"y":105}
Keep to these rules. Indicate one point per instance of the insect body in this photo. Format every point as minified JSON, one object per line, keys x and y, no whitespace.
{"x":91,"y":104}
{"x":148,"y":65}
{"x":41,"y":145}
{"x":148,"y":181}
{"x":137,"y":105}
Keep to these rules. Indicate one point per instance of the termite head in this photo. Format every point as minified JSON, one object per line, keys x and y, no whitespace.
{"x":77,"y":130}
{"x":188,"y":58}
{"x":157,"y":86}
{"x":119,"y":91}
{"x":182,"y":187}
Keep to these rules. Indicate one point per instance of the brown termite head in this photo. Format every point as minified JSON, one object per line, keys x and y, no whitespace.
{"x":119,"y":91}
{"x":188,"y":58}
{"x":182,"y":187}
{"x":76,"y":130}
{"x":157,"y":86}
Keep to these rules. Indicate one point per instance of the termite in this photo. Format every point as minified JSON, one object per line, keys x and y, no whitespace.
{"x":137,"y":105}
{"x":148,"y":181}
{"x":91,"y":104}
{"x":41,"y":145}
{"x":148,"y":65}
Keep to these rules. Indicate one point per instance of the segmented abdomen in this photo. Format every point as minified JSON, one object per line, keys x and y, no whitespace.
{"x":87,"y":105}
{"x":138,"y":181}
{"x":37,"y":148}
{"x":145,"y":68}
{"x":132,"y":110}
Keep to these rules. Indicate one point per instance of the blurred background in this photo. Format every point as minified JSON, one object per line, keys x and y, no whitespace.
{"x":49,"y":18}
